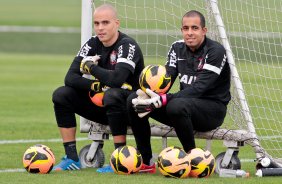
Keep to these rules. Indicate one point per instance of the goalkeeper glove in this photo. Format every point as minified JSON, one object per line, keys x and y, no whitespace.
{"x":141,"y":96}
{"x":147,"y":105}
{"x":87,"y":63}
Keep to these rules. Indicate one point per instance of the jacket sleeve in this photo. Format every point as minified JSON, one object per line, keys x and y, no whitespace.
{"x":128,"y":57}
{"x":112,"y":78}
{"x":74,"y":76}
{"x":171,"y":65}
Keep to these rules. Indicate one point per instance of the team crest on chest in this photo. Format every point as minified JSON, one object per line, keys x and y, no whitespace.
{"x":113,"y":58}
{"x":202,"y":62}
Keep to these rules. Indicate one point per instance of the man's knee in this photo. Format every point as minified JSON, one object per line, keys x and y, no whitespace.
{"x":113,"y":96}
{"x":65,"y":118}
{"x":59,"y":94}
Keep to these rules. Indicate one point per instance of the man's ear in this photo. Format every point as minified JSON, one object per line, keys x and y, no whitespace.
{"x":117,"y":22}
{"x":205,"y":29}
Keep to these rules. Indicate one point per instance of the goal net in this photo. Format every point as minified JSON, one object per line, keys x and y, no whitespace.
{"x":252,"y":29}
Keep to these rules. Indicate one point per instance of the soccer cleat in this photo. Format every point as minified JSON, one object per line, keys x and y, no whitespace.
{"x":67,"y":164}
{"x":148,"y":168}
{"x":106,"y":169}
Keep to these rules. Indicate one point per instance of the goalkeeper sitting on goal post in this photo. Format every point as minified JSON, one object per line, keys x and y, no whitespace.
{"x":116,"y":61}
{"x":201,"y":103}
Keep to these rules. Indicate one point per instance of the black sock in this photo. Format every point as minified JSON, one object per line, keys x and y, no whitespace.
{"x":147,"y":161}
{"x":119,"y":144}
{"x":70,"y":149}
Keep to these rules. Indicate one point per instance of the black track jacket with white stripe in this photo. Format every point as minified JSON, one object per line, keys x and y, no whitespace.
{"x":204,"y":73}
{"x":122,"y":62}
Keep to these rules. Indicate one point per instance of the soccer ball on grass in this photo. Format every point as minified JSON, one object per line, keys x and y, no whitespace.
{"x":126,"y":160}
{"x":38,"y":159}
{"x":202,"y":163}
{"x":174,"y":162}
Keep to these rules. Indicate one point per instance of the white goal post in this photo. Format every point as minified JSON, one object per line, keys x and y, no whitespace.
{"x":251,"y":32}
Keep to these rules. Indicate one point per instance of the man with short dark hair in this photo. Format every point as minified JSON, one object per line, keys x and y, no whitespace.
{"x":201,"y":104}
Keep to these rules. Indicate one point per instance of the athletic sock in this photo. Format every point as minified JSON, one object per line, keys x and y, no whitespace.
{"x":147,"y":162}
{"x":70,"y":149}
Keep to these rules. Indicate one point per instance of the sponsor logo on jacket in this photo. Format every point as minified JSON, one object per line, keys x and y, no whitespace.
{"x":84,"y":50}
{"x":183,"y":78}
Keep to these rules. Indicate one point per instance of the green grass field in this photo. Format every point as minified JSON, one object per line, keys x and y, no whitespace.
{"x":27,"y":113}
{"x":33,"y":65}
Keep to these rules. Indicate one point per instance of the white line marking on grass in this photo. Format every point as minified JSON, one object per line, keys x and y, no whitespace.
{"x":36,"y":140}
{"x":55,"y":140}
{"x":39,"y":29}
{"x":11,"y":170}
{"x":247,"y":160}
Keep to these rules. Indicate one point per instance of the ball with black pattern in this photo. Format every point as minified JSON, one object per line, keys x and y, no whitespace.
{"x":156,"y":78}
{"x":202,"y":163}
{"x":38,"y":159}
{"x":174,"y":162}
{"x":126,"y":160}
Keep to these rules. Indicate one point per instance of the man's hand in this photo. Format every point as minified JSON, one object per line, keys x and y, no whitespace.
{"x":141,"y":96}
{"x":87,"y":63}
{"x":148,"y":104}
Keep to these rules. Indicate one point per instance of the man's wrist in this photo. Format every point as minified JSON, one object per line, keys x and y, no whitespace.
{"x":163,"y":99}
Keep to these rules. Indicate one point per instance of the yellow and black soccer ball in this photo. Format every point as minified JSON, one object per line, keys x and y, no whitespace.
{"x":126,"y":160}
{"x":38,"y":159}
{"x":202,"y":163}
{"x":174,"y":162}
{"x":156,"y":78}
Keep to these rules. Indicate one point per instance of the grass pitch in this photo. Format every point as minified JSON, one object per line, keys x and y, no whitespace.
{"x":27,"y":114}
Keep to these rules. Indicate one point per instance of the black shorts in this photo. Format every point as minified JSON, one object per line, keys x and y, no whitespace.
{"x":69,"y":101}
